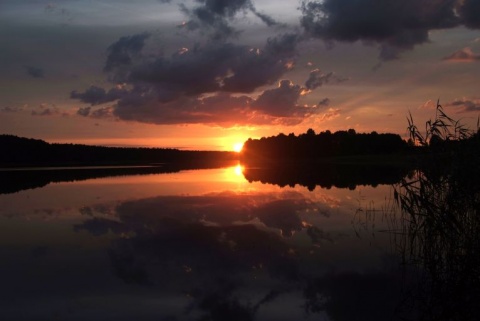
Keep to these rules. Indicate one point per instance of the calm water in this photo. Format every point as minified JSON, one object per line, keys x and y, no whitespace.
{"x":197,"y":245}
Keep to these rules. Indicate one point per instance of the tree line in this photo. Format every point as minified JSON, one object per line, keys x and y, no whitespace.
{"x":20,"y":151}
{"x":325,"y":144}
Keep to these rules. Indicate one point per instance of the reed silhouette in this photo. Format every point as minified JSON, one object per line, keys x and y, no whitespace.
{"x":437,"y":227}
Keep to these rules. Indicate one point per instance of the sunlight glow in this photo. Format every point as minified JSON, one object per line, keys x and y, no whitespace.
{"x":238,"y":170}
{"x":237,"y":147}
{"x":235,"y":175}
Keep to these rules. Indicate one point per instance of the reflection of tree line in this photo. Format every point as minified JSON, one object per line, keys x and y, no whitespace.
{"x":12,"y":181}
{"x":337,"y":175}
{"x":325,"y":175}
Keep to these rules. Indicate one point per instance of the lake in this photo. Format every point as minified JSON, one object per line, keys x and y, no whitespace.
{"x":206,"y":244}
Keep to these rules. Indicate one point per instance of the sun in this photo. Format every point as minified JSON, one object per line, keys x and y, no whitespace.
{"x":237,"y":147}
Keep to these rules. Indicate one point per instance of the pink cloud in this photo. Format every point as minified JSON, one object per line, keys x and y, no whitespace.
{"x":463,"y":55}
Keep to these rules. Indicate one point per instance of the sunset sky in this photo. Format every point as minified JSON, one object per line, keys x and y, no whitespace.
{"x":207,"y":74}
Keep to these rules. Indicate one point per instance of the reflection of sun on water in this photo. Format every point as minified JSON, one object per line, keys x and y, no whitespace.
{"x":238,"y":170}
{"x":235,"y":174}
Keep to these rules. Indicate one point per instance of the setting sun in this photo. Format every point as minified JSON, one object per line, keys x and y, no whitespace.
{"x":237,"y":147}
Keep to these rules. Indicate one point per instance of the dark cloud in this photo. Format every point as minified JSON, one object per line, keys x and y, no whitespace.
{"x":465,"y":105}
{"x":221,"y":109}
{"x":470,"y":13}
{"x":269,"y":21}
{"x":324,"y":102}
{"x":283,"y":45}
{"x":224,"y":67}
{"x":317,"y":79}
{"x":463,"y":55}
{"x":204,"y":84}
{"x":35,"y":72}
{"x":394,"y":25}
{"x":96,"y":95}
{"x":84,"y":111}
{"x":212,"y":67}
{"x":205,"y":20}
{"x":257,"y":68}
{"x":102,"y":112}
{"x":227,"y":8}
{"x":217,"y":109}
{"x":281,"y":101}
{"x":122,"y":52}
{"x":214,"y":16}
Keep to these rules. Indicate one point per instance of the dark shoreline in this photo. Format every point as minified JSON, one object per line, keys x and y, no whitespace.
{"x":25,"y":152}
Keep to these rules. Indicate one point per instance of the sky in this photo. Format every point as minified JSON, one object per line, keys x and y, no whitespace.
{"x":208,"y":74}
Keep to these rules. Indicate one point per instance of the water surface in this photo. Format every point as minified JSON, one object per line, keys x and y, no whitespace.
{"x":197,"y":245}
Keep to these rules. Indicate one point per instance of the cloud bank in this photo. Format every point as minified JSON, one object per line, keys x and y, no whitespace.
{"x":394,"y":26}
{"x":215,"y":83}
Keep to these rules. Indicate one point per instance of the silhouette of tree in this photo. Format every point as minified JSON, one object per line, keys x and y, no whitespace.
{"x":310,"y":145}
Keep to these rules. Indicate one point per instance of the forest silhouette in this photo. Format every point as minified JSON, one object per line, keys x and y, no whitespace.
{"x":310,"y":145}
{"x":21,"y":152}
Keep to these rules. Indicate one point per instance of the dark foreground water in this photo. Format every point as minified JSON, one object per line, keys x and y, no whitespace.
{"x":205,"y":245}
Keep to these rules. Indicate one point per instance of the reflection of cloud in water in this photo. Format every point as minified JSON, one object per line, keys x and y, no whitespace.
{"x":218,"y":248}
{"x":280,"y":211}
{"x":103,"y":209}
{"x":190,"y":241}
{"x":201,"y":233}
{"x":219,"y":255}
{"x":225,"y":225}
